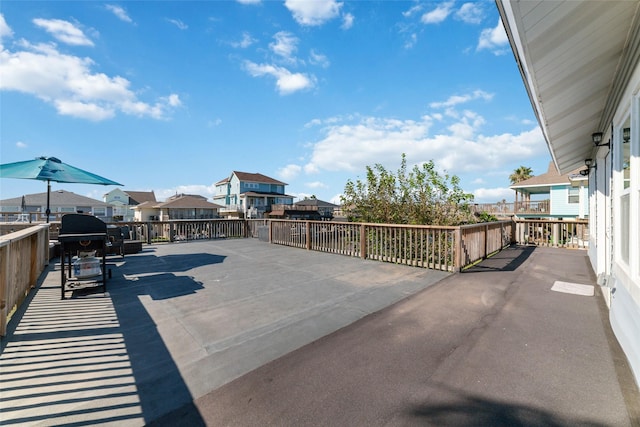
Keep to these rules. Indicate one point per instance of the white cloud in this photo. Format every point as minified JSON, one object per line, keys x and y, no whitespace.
{"x":336,"y":200}
{"x":347,"y":21}
{"x":412,"y":11}
{"x":214,"y":122}
{"x":289,"y":172}
{"x":313,"y":13}
{"x":21,"y":144}
{"x":411,"y":42}
{"x":178,"y":23}
{"x":173,"y":100}
{"x":245,"y":42}
{"x":459,"y":148}
{"x":470,"y":13}
{"x":439,"y":14}
{"x":83,"y":110}
{"x":286,"y":81}
{"x":316,"y":58}
{"x":5,"y":29}
{"x":493,"y":195}
{"x":69,"y":84}
{"x":249,"y":1}
{"x":461,"y":99}
{"x":64,"y":31}
{"x":494,"y":39}
{"x":285,"y":45}
{"x":119,"y":12}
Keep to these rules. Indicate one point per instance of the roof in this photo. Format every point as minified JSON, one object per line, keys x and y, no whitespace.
{"x":58,"y":198}
{"x":550,"y":178}
{"x":256,"y":177}
{"x":575,"y":58}
{"x":137,"y":197}
{"x":188,"y":202}
{"x":315,"y":202}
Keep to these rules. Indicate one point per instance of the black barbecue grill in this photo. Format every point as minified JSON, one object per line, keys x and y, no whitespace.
{"x":82,"y":233}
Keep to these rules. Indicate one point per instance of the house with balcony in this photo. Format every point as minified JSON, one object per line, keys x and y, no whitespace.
{"x":553,"y":195}
{"x":180,"y":206}
{"x":124,"y":201}
{"x":580,"y":64}
{"x":249,"y":195}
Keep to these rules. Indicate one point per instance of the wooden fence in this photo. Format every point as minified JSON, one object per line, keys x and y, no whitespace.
{"x":558,"y":234}
{"x":416,"y":245}
{"x":478,"y":241}
{"x":23,"y":256}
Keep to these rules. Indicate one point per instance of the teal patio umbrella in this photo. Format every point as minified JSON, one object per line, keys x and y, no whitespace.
{"x":51,"y":169}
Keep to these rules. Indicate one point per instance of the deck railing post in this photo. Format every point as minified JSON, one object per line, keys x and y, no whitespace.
{"x":149,"y":232}
{"x":363,"y":241}
{"x":458,"y":249}
{"x":486,"y":241}
{"x":308,"y":234}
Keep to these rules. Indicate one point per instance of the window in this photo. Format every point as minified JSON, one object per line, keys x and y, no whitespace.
{"x":100,"y":211}
{"x":574,"y":195}
{"x":624,"y":173}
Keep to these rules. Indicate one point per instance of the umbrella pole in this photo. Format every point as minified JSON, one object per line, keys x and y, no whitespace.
{"x":48,"y":211}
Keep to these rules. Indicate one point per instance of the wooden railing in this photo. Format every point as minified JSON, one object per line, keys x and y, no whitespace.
{"x":478,"y":241}
{"x":417,"y":245}
{"x":540,"y":207}
{"x":185,"y":229}
{"x":553,"y":233}
{"x":23,"y":256}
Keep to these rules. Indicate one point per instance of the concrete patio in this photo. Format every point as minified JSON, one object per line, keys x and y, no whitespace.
{"x":177,"y":322}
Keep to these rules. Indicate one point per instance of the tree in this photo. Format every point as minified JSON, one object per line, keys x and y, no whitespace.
{"x":420,"y":196}
{"x":520,"y":174}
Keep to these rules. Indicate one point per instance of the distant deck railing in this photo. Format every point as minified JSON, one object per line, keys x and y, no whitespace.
{"x":541,"y":207}
{"x":24,"y":253}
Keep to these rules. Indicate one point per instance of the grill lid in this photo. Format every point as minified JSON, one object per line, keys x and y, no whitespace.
{"x":82,"y":224}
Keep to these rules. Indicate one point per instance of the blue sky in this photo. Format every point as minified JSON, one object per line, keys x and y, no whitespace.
{"x":174,"y":96}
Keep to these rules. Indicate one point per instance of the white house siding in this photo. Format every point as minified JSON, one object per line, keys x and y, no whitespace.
{"x":624,"y":278}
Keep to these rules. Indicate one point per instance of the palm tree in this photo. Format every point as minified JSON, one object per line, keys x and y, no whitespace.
{"x":520,"y":174}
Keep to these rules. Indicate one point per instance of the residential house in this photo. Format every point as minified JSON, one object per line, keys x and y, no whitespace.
{"x":61,"y":202}
{"x":124,"y":201}
{"x":310,"y":209}
{"x":555,"y":195}
{"x":180,"y":206}
{"x":326,"y":210}
{"x":307,"y":209}
{"x":580,"y":63}
{"x":249,"y":195}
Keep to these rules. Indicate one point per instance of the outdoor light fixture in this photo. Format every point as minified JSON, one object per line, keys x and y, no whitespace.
{"x":588,"y":163}
{"x":597,"y":139}
{"x":626,"y":135}
{"x":584,"y":172}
